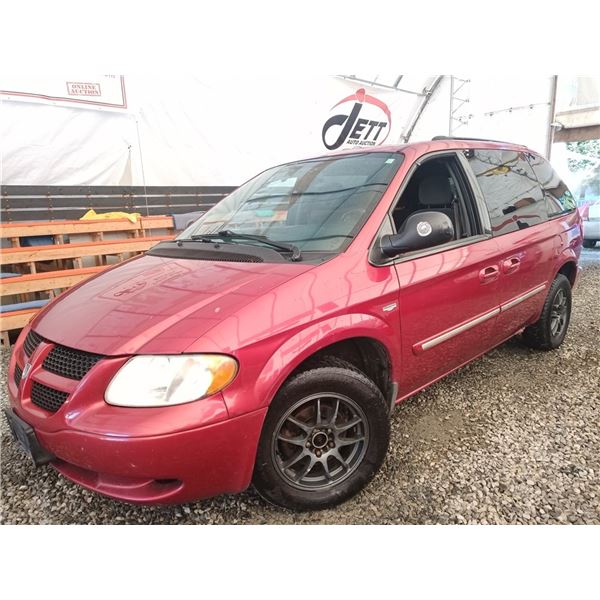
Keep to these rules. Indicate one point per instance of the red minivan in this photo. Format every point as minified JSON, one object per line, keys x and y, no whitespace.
{"x":269,"y":342}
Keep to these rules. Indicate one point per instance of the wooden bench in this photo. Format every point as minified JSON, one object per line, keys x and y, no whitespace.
{"x":52,"y":259}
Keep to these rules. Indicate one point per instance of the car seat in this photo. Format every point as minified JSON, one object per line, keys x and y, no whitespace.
{"x":435,"y":193}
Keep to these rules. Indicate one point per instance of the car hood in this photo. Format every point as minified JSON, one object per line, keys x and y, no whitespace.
{"x":156,"y":305}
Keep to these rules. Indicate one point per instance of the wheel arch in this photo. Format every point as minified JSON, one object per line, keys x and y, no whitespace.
{"x":569,"y":269}
{"x":346,"y":336}
{"x":367,"y":354}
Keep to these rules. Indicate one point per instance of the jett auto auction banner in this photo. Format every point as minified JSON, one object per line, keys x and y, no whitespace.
{"x":359,"y":119}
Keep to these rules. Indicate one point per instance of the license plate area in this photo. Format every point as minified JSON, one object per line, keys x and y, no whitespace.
{"x":24,"y":434}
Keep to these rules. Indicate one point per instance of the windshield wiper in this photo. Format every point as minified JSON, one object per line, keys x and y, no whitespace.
{"x":227,"y":234}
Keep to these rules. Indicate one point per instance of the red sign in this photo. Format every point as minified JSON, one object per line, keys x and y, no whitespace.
{"x":83,"y":89}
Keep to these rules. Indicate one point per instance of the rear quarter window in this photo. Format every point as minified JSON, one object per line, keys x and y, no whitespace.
{"x":559,"y":199}
{"x":510,"y":188}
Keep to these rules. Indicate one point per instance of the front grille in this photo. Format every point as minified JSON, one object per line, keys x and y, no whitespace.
{"x":70,"y":363}
{"x":46,"y":397}
{"x":18,"y":375}
{"x":32,"y":341}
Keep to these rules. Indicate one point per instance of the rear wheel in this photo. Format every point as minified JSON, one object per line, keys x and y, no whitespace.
{"x":324,"y":438}
{"x":550,"y":330}
{"x":589,"y":243}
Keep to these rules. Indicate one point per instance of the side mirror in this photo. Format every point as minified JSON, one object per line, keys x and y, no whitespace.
{"x":420,"y":230}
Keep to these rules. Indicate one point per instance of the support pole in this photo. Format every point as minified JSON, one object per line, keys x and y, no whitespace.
{"x":137,"y":126}
{"x":451,"y":109}
{"x":551,"y":115}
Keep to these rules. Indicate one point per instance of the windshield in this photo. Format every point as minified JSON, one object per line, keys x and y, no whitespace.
{"x":317,"y":205}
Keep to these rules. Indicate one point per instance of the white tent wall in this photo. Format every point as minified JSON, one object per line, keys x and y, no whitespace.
{"x":196,"y":132}
{"x":221,"y":133}
{"x":55,"y":145}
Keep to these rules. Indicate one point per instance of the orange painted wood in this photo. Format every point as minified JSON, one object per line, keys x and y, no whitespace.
{"x":16,"y":319}
{"x":46,"y":281}
{"x":13,"y":256}
{"x":26,"y":228}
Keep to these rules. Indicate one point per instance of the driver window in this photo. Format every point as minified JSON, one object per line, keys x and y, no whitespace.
{"x":437,"y":185}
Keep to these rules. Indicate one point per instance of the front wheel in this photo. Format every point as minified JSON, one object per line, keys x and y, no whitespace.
{"x":324,"y":438}
{"x":589,"y":243}
{"x":550,"y":330}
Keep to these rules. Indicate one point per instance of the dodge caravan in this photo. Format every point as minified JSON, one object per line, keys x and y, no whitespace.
{"x":269,"y":342}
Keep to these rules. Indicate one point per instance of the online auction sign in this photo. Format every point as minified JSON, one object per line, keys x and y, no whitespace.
{"x":87,"y":91}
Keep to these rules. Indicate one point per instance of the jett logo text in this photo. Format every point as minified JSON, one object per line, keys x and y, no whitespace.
{"x":357,"y":120}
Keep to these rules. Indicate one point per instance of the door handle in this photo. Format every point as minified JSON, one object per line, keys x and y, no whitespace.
{"x":489,"y":274}
{"x":510,"y":265}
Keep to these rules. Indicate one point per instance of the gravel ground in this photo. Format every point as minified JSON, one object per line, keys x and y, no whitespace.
{"x":477,"y":447}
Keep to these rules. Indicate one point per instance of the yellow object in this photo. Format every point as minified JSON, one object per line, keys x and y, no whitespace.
{"x":92,"y":214}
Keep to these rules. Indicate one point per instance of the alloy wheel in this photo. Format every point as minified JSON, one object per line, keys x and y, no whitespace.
{"x":320,"y":441}
{"x":558,"y":313}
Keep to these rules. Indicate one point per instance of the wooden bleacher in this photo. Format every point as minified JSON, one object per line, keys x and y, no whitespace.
{"x":34,"y":254}
{"x":32,"y":272}
{"x":14,"y":231}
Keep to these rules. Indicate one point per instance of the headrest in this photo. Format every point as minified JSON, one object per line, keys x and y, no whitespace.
{"x":435,"y":190}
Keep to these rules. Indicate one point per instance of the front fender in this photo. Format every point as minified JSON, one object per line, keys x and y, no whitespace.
{"x":297,"y":348}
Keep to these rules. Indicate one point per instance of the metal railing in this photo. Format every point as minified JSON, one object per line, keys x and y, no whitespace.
{"x":40,"y":203}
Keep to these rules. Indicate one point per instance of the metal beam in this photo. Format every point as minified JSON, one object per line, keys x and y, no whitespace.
{"x":381,"y":85}
{"x":426,"y":97}
{"x":456,"y":103}
{"x":577,"y":134}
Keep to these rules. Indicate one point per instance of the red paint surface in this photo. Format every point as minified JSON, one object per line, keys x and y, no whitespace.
{"x":270,"y":317}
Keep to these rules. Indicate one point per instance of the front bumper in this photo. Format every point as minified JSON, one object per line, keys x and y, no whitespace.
{"x":142,"y":455}
{"x":181,"y":467}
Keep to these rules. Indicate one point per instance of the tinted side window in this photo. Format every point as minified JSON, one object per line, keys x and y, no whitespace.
{"x":559,"y":199}
{"x":512,"y":193}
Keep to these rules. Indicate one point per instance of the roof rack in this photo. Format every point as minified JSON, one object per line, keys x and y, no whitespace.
{"x":469,"y":139}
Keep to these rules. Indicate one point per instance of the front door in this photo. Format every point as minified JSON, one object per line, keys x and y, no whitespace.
{"x":448,"y":295}
{"x":448,"y":303}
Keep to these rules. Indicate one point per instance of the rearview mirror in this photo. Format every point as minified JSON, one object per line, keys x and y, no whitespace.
{"x":420,"y":230}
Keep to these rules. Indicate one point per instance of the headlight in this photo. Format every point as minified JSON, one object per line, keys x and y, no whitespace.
{"x":169,"y":380}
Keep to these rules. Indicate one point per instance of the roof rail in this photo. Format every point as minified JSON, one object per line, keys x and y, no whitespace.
{"x":470,"y":139}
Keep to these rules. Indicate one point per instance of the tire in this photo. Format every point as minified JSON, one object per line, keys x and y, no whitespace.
{"x":300,"y":477}
{"x":550,"y":330}
{"x":589,"y":243}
